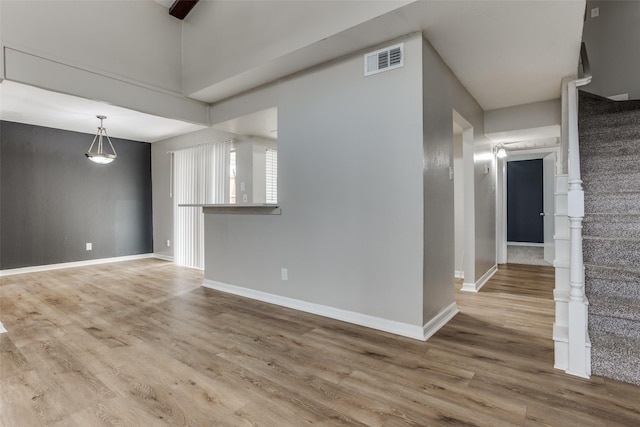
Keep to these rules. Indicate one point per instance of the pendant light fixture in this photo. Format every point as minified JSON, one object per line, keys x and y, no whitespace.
{"x":100,"y":156}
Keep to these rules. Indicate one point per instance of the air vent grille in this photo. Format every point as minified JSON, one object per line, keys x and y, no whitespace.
{"x":384,"y":59}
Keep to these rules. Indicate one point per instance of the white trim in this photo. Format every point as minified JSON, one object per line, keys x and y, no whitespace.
{"x":2,"y":328}
{"x":538,"y":245}
{"x":439,"y":320}
{"x":386,"y":325}
{"x":163,"y":257}
{"x":38,"y":268}
{"x":475,"y":287}
{"x":458,"y":274}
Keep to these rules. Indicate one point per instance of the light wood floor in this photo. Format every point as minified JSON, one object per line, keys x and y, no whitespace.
{"x":142,"y":344}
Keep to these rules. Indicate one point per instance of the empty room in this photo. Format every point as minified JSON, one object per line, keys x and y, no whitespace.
{"x":284,"y":213}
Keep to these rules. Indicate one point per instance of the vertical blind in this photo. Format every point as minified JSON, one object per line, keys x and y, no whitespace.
{"x":201,"y":176}
{"x":272,"y":176}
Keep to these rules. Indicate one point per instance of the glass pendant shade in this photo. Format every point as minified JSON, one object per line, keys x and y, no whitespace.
{"x":99,"y":155}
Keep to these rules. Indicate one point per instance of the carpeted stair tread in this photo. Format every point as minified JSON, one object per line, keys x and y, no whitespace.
{"x":611,"y":225}
{"x":600,"y":124}
{"x":612,"y":202}
{"x":618,"y":133}
{"x":611,"y":281}
{"x":615,"y":356}
{"x":611,"y":182}
{"x":603,"y":324}
{"x":610,"y":166}
{"x":615,"y":307}
{"x":613,"y":273}
{"x":595,"y":104}
{"x":595,"y":164}
{"x":611,"y":251}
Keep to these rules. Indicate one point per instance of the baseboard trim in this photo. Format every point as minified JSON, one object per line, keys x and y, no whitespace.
{"x":475,"y":287}
{"x":47,"y":267}
{"x":391,"y":326}
{"x":440,"y":320}
{"x":532,"y":244}
{"x":163,"y":257}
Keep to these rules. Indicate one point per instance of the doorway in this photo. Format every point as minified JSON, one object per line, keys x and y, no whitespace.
{"x":462,"y":173}
{"x":527,"y":207}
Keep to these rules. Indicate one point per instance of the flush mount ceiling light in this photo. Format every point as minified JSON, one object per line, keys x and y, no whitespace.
{"x":501,"y":153}
{"x":100,"y":156}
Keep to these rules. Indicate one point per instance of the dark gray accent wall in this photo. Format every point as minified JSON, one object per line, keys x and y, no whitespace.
{"x":53,"y":200}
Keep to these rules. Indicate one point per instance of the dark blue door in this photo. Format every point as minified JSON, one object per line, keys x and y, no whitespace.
{"x":524,"y":201}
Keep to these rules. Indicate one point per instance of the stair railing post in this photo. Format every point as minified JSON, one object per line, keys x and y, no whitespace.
{"x":579,"y":362}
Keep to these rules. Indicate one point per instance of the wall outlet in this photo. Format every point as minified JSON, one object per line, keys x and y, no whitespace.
{"x":89,"y":246}
{"x":284,"y":273}
{"x":168,"y":243}
{"x":244,"y":198}
{"x":242,"y":186}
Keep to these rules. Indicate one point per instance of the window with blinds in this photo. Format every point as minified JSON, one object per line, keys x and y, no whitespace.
{"x":201,"y":176}
{"x":272,"y":176}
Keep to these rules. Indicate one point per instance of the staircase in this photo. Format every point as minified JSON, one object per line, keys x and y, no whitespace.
{"x":610,"y":164}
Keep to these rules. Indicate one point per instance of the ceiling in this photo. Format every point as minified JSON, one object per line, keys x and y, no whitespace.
{"x":27,"y":104}
{"x":505,"y":53}
{"x":261,"y":123}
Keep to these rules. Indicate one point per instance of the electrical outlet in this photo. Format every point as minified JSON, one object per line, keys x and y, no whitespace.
{"x":244,"y":198}
{"x":284,"y":273}
{"x":168,"y":243}
{"x":242,"y":186}
{"x":89,"y":246}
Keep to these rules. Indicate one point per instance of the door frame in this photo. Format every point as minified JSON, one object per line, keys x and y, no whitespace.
{"x":469,"y":251}
{"x":501,"y":196}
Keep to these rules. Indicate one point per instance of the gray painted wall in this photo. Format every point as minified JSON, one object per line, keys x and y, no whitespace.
{"x":443,"y":93}
{"x":353,"y":157}
{"x":53,"y":200}
{"x":350,"y":188}
{"x":612,"y":41}
{"x":81,"y":34}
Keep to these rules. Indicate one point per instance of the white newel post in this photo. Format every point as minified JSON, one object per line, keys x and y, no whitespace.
{"x":579,"y":362}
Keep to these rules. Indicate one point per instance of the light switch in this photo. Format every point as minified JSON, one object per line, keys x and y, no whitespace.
{"x":242,"y":186}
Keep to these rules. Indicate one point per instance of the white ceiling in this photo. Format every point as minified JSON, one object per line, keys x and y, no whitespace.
{"x":262,"y":123}
{"x":505,"y":53}
{"x":165,"y":3}
{"x":31,"y":105}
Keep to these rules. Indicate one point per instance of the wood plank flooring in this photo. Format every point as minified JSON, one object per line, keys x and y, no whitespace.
{"x":141,"y":343}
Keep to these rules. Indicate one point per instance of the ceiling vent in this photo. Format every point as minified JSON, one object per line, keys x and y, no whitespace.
{"x":384,"y":59}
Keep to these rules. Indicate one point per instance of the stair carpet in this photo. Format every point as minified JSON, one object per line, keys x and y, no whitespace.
{"x":610,"y":167}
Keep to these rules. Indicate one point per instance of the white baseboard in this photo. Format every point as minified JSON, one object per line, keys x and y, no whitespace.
{"x":386,"y":325}
{"x":475,"y":287}
{"x":535,"y":245}
{"x":39,"y":268}
{"x":163,"y":257}
{"x":439,"y":320}
{"x":458,"y":274}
